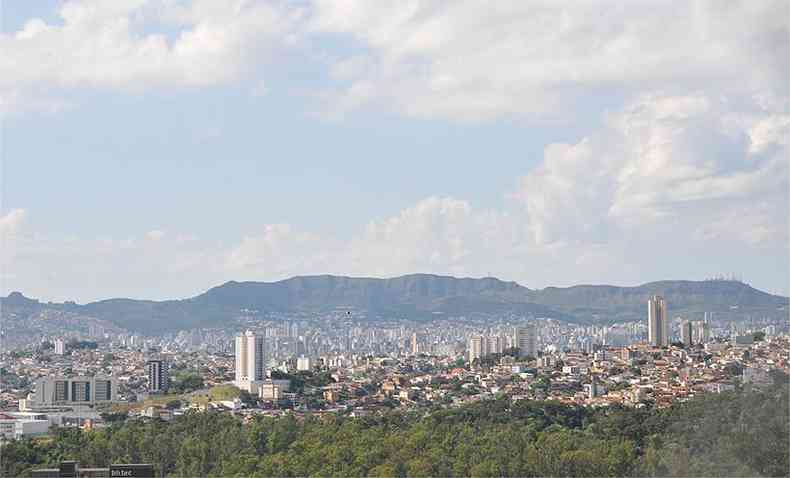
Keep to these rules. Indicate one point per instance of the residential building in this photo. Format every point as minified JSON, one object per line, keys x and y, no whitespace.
{"x":495,"y":344}
{"x":249,"y":359}
{"x":526,"y":340}
{"x":657,"y":326}
{"x":476,"y":349}
{"x":14,"y":426}
{"x":158,"y":375}
{"x":685,"y":332}
{"x":74,"y":391}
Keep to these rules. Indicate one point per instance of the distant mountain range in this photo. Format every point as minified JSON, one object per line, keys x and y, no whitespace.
{"x":420,"y":296}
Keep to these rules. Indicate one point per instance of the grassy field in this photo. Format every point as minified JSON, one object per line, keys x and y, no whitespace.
{"x":217,"y":393}
{"x":214,"y":394}
{"x":153,"y":400}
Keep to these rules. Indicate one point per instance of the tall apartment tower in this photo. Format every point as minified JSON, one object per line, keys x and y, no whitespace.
{"x":249,"y":359}
{"x":657,"y":326}
{"x":476,"y":348}
{"x":703,"y":331}
{"x":60,"y":347}
{"x":158,"y":375}
{"x":495,"y":344}
{"x":685,"y":332}
{"x":415,"y":344}
{"x":525,"y":338}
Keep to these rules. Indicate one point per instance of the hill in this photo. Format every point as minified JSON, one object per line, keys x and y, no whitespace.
{"x":419,"y":296}
{"x":731,"y":300}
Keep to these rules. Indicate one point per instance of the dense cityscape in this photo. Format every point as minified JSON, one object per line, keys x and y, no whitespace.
{"x":338,"y":365}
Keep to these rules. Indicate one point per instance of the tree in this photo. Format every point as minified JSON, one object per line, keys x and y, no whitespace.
{"x":114,"y":417}
{"x":186,"y":381}
{"x":740,"y":433}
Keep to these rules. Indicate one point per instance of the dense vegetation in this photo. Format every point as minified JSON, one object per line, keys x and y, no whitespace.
{"x":742,"y":433}
{"x":185,"y":381}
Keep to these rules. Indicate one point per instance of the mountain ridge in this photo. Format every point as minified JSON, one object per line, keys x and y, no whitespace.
{"x":418,"y":296}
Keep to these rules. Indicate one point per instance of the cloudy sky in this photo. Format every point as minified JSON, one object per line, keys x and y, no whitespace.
{"x":155,"y":148}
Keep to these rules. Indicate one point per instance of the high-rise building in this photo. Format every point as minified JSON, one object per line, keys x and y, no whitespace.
{"x":703,"y":331}
{"x":657,"y":327}
{"x":60,"y":347}
{"x":685,"y":332}
{"x":249,"y":359}
{"x":495,"y":344}
{"x":476,"y":348}
{"x":526,"y":340}
{"x":415,"y":344}
{"x":158,"y":375}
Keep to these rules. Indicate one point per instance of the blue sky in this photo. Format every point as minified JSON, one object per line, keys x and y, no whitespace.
{"x":155,"y":148}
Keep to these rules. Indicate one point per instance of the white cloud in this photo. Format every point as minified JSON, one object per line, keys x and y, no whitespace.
{"x":753,"y":225}
{"x":436,"y":234}
{"x":135,"y":45}
{"x":661,"y":157}
{"x":278,"y":251}
{"x":468,"y":61}
{"x":90,"y":268}
{"x":422,"y":58}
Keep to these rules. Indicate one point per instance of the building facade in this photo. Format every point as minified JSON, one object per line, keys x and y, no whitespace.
{"x":525,"y":338}
{"x":74,"y":391}
{"x":686,"y":332}
{"x":657,"y":327}
{"x":158,"y":372}
{"x":250,"y":363}
{"x":476,"y":348}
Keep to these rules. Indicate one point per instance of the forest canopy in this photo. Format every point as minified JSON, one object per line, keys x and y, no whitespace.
{"x":740,"y":433}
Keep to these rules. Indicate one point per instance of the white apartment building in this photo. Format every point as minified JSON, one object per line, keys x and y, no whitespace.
{"x":249,"y":359}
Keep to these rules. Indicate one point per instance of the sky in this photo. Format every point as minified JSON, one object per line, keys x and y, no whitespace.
{"x":157,"y":148}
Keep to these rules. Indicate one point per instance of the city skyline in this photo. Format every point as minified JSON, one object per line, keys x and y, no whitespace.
{"x":264,"y":370}
{"x":349,"y":139}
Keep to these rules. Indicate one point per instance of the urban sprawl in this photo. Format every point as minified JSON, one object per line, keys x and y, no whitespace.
{"x":342,"y":363}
